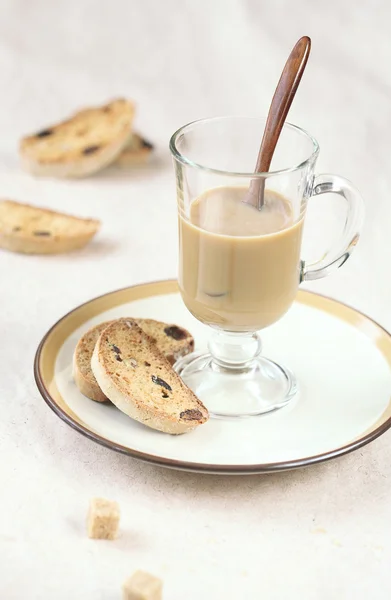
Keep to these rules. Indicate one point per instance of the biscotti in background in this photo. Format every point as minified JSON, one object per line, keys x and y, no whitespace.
{"x":87,"y":142}
{"x":31,"y":230}
{"x":136,"y":152}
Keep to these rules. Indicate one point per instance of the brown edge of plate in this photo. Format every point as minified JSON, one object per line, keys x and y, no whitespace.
{"x":209,"y":469}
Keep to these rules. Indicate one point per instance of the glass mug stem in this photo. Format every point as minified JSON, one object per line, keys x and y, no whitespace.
{"x":241,"y":382}
{"x":231,"y":350}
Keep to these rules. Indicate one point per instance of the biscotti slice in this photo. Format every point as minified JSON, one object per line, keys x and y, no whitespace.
{"x":103,"y":519}
{"x":140,"y":381}
{"x":32,"y":230}
{"x":171,"y":340}
{"x":136,"y":152}
{"x":82,"y":372}
{"x":82,"y":145}
{"x":142,"y":586}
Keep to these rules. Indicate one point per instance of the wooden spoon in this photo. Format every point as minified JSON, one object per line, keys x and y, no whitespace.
{"x":279,"y":108}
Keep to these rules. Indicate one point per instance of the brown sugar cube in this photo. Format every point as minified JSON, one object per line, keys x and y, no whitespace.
{"x":142,"y":586}
{"x":103,"y":519}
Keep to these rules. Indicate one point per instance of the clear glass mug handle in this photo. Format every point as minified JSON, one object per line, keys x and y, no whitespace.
{"x":340,"y":252}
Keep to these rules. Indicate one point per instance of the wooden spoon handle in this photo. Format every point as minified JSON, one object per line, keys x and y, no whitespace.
{"x":282,"y":100}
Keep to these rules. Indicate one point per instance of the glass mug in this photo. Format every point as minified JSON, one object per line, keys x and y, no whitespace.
{"x":236,"y":276}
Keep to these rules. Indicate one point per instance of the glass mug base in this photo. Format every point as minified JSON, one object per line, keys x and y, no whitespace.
{"x":258,"y":387}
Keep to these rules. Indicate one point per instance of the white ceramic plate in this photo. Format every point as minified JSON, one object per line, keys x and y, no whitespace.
{"x":341,"y":358}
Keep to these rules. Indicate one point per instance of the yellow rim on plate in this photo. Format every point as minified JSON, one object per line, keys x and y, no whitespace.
{"x":46,"y":355}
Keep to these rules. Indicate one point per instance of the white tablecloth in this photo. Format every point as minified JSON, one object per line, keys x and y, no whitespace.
{"x":319,"y":533}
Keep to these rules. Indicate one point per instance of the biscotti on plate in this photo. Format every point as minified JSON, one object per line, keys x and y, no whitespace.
{"x":140,"y":381}
{"x":82,"y":145}
{"x":172,"y":341}
{"x":32,"y":230}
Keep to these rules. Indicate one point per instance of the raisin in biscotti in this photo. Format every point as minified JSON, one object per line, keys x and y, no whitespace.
{"x":140,"y":381}
{"x":171,"y":340}
{"x":32,"y":230}
{"x":82,"y":145}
